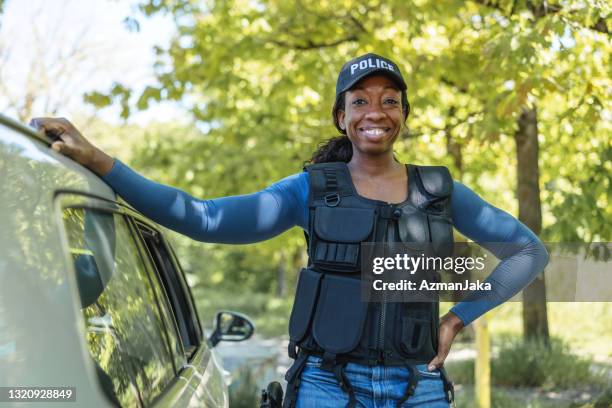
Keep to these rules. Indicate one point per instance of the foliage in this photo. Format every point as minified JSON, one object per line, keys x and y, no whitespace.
{"x":270,"y":314}
{"x":604,"y":400}
{"x":243,"y":392}
{"x":518,"y":363}
{"x":259,"y":78}
{"x":534,"y":364}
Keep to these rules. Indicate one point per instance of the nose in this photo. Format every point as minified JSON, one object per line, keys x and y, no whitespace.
{"x":375,"y":112}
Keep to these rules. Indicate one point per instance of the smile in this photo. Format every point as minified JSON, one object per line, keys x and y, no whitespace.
{"x":374,"y":131}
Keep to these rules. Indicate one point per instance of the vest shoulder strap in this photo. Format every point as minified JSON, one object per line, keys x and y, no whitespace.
{"x":327,"y":180}
{"x":436,"y":180}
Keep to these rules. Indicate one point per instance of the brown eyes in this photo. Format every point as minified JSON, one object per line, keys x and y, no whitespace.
{"x":361,"y":101}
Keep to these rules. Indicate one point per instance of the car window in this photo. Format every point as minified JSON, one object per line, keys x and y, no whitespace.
{"x":176,"y":289}
{"x":169,"y":319}
{"x":124,"y":328}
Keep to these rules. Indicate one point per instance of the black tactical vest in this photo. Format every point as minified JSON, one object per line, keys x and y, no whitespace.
{"x":329,"y":317}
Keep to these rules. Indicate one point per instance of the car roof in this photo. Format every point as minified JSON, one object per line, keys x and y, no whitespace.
{"x":26,"y":143}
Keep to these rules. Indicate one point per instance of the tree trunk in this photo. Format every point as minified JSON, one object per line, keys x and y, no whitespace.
{"x":535,"y":319}
{"x":280,"y":292}
{"x":453,"y":149}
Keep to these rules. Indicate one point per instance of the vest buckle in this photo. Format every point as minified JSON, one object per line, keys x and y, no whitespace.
{"x":332,"y":200}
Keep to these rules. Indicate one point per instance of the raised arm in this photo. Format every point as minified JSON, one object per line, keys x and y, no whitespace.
{"x":233,"y":220}
{"x":521,"y":252}
{"x":236,"y":219}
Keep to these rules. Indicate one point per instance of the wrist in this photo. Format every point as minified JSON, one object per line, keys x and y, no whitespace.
{"x":101,"y":163}
{"x":453,"y":322}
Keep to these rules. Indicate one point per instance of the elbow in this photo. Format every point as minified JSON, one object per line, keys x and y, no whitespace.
{"x":540,"y":252}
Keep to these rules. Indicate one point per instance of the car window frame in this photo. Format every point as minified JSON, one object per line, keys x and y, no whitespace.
{"x":154,"y":274}
{"x":183,"y":294}
{"x":68,"y":198}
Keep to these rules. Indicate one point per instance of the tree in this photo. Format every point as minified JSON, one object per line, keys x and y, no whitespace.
{"x":260,"y":79}
{"x":46,"y":81}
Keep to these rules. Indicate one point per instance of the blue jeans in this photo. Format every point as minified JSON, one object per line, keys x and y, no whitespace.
{"x":375,"y":387}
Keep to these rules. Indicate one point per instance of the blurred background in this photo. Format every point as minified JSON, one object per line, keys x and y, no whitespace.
{"x":226,"y":97}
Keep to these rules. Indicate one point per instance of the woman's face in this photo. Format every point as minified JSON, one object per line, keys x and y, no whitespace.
{"x":372,"y":115}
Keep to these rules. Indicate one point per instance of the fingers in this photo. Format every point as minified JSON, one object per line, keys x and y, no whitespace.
{"x":60,"y":147}
{"x":436,"y":363}
{"x":52,"y":127}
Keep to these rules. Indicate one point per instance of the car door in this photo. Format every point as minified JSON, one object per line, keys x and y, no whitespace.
{"x":142,"y":335}
{"x":123,"y":325}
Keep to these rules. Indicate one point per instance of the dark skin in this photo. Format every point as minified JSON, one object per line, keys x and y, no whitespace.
{"x":372,"y":118}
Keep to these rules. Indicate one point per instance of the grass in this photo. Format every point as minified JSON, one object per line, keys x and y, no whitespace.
{"x":531,"y":364}
{"x":504,"y":399}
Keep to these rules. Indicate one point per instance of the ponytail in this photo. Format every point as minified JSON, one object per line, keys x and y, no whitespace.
{"x":336,"y":149}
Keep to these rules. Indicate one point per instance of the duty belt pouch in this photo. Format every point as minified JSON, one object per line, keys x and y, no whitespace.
{"x":340,"y":316}
{"x":338,"y":233}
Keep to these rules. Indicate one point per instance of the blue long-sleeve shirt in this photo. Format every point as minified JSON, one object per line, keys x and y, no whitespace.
{"x":262,"y":215}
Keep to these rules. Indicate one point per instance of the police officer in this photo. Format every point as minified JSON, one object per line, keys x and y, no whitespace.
{"x":347,"y":351}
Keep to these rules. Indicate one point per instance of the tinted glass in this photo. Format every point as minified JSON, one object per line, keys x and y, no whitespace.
{"x":178,"y":294}
{"x":166,"y":308}
{"x":125,"y":333}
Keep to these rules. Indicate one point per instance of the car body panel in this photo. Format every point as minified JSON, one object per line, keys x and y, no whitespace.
{"x":41,"y":326}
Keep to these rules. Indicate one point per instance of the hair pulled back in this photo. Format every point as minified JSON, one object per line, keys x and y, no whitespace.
{"x":338,"y":148}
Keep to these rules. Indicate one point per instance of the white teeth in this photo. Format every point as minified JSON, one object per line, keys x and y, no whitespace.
{"x":374,"y":132}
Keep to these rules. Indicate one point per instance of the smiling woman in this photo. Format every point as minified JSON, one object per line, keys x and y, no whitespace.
{"x":353,"y":192}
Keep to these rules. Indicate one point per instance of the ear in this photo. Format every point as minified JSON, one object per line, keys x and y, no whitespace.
{"x":340,"y":115}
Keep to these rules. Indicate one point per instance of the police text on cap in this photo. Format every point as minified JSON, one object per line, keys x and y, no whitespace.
{"x":370,"y":63}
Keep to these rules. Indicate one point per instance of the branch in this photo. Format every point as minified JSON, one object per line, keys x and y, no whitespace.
{"x":407,"y":134}
{"x":543,"y":10}
{"x":449,"y":82}
{"x":346,"y":19}
{"x":311,"y":45}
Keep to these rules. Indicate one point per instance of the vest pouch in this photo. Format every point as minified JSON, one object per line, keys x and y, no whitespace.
{"x":415,"y":339}
{"x":441,"y":232}
{"x":306,"y":296}
{"x":338,"y":233}
{"x":413,"y":225}
{"x":340,"y":315}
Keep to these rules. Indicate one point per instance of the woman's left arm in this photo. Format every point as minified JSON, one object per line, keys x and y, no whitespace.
{"x":522,"y":256}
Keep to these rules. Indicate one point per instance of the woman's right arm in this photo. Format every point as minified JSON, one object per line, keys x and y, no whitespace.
{"x":235,"y":219}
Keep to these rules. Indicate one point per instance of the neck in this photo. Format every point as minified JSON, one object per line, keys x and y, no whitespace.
{"x":373,"y":165}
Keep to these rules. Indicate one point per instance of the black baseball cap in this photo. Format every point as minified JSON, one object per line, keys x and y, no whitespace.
{"x":363,"y":66}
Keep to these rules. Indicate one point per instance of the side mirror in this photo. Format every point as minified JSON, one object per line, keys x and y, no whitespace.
{"x":231,"y":326}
